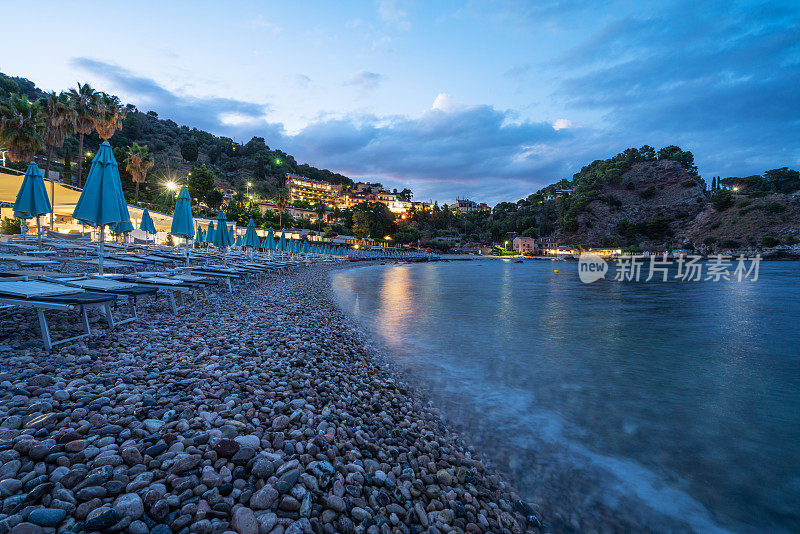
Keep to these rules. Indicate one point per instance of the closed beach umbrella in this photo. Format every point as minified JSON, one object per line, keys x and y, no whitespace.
{"x":250,"y":235}
{"x":210,"y":233}
{"x":200,"y":237}
{"x":270,"y":239}
{"x":222,"y":238}
{"x":147,"y":224}
{"x":182,"y":223}
{"x":231,"y":234}
{"x":282,"y":242}
{"x":32,"y":199}
{"x":101,"y":201}
{"x":238,"y":241}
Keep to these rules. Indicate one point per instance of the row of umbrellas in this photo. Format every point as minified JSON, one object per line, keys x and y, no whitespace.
{"x":102,"y":204}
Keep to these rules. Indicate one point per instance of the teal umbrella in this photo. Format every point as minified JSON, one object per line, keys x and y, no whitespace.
{"x":270,"y":239}
{"x":182,"y":223}
{"x":231,"y":234}
{"x":147,"y":223}
{"x":282,"y":242}
{"x":101,"y":201}
{"x":251,"y":236}
{"x":210,"y":233}
{"x":238,"y":241}
{"x":222,"y":238}
{"x":200,"y":237}
{"x":32,"y":199}
{"x":306,"y":247}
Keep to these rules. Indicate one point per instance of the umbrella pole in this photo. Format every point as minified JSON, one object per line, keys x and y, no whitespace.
{"x":39,"y":232}
{"x":187,"y":251}
{"x":100,"y":249}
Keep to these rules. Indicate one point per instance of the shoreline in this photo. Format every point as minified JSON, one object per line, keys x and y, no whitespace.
{"x":259,"y":411}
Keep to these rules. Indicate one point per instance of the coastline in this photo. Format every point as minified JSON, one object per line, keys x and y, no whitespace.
{"x":258,"y":411}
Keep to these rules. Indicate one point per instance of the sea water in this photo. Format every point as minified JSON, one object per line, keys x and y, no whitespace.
{"x":656,"y":405}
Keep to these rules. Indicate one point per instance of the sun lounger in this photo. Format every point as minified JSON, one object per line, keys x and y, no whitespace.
{"x":25,"y":261}
{"x":131,"y":292}
{"x":43,"y":296}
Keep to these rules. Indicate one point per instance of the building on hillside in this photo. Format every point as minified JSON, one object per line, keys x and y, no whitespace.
{"x":524,"y":245}
{"x":312,"y":190}
{"x":297,"y":213}
{"x":465,"y":205}
{"x":558,"y":193}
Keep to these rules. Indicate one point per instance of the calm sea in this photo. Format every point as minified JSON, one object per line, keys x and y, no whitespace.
{"x":630,"y":405}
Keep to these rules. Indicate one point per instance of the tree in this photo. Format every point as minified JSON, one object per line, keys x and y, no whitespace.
{"x":139,"y":162}
{"x":201,"y":181}
{"x":83,"y":101}
{"x":59,"y":122}
{"x":320,"y":208}
{"x":373,"y":219}
{"x":281,"y":199}
{"x":684,"y":157}
{"x":722,"y":199}
{"x":405,"y":194}
{"x":189,"y":151}
{"x":108,"y":117}
{"x":783,"y":180}
{"x":21,"y":127}
{"x":214,"y":199}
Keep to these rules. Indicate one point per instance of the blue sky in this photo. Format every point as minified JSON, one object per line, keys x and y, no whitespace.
{"x":486,"y":99}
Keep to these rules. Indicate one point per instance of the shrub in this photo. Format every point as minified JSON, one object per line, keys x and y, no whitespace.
{"x":730,"y":243}
{"x":769,"y":241}
{"x":10,"y":226}
{"x":689,"y":183}
{"x":650,"y":192}
{"x":629,"y":186}
{"x":722,"y":199}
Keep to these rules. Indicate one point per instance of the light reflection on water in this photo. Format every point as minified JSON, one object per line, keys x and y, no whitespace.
{"x":682,"y":396}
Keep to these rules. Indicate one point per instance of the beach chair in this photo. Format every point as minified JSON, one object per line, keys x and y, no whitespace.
{"x":128,"y":291}
{"x":43,"y":296}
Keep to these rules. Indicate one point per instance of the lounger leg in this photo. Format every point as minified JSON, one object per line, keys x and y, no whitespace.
{"x":172,"y":303}
{"x":109,"y":316}
{"x":85,"y":321}
{"x":45,"y":330}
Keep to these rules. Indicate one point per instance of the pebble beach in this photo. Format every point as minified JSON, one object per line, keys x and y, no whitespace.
{"x":258,"y":411}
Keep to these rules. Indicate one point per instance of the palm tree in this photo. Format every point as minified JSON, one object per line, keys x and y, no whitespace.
{"x":21,"y":127}
{"x":139,"y":161}
{"x":59,"y":123}
{"x":109,"y":114}
{"x":83,"y":102}
{"x":321,"y":209}
{"x":281,"y":199}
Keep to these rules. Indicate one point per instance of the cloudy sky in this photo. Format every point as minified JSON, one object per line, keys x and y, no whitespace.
{"x":489,"y":99}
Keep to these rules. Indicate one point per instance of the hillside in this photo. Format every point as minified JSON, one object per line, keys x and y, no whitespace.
{"x":177,"y":147}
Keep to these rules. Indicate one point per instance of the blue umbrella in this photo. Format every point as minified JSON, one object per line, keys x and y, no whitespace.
{"x":182,"y":223}
{"x":231,"y":234}
{"x":222,"y":238}
{"x":147,"y":223}
{"x":282,"y":242}
{"x":32,"y":199}
{"x":238,"y":241}
{"x":101,"y":201}
{"x":250,"y":235}
{"x":200,"y":237}
{"x":210,"y":233}
{"x":270,"y":239}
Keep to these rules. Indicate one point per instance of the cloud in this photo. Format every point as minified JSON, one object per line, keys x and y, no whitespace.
{"x":443,"y":152}
{"x":721,"y":83}
{"x":563,"y":124}
{"x":365,"y":80}
{"x":262,"y":23}
{"x":302,"y":80}
{"x":393,"y":14}
{"x":215,"y":114}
